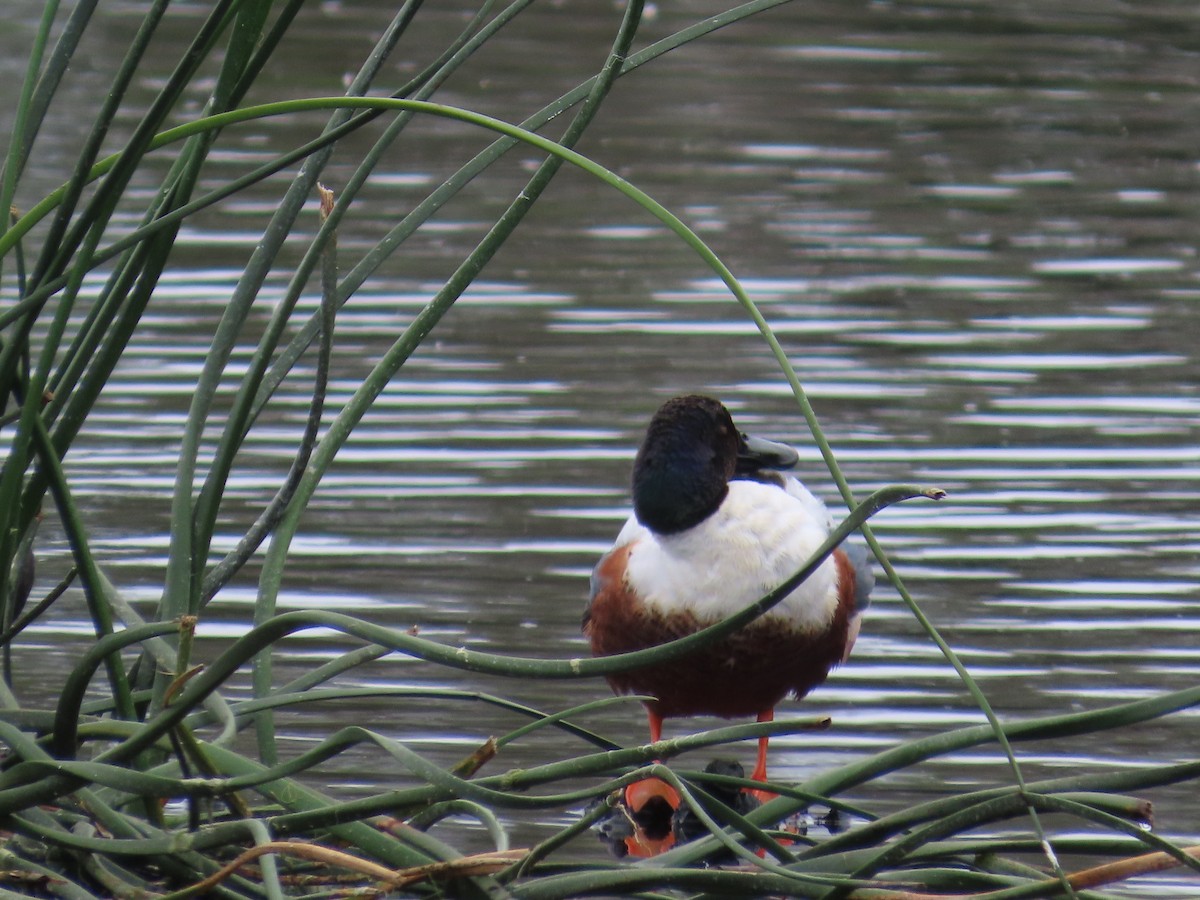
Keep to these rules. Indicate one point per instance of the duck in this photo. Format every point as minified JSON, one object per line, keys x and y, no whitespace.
{"x":718,"y":523}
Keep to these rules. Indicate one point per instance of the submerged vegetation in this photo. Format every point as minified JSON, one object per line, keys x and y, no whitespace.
{"x":148,"y":780}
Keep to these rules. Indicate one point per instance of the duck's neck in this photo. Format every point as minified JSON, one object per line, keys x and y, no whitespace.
{"x":675,"y":488}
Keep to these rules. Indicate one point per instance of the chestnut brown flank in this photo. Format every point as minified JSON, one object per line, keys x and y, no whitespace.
{"x":742,"y":675}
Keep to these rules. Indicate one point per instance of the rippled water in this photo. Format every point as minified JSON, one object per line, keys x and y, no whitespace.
{"x":972,"y":227}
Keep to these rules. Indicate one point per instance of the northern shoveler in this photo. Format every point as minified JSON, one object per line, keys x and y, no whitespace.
{"x":715,"y":527}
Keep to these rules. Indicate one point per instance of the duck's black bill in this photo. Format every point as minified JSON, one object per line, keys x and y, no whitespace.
{"x":756,"y":453}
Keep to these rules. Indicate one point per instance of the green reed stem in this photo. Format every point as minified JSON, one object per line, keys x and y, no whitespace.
{"x":265,"y":634}
{"x":414,"y":335}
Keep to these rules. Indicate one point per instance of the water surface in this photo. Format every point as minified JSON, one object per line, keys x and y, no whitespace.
{"x":971,"y":226}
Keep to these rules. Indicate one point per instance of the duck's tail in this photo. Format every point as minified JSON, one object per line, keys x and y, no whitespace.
{"x":864,"y":576}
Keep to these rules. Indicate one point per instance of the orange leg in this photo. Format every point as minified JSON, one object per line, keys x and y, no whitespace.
{"x":760,"y":767}
{"x":641,"y":793}
{"x":760,"y":774}
{"x":638,"y":793}
{"x":655,"y":726}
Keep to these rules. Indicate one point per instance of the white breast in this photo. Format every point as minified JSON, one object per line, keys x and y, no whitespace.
{"x":758,"y":537}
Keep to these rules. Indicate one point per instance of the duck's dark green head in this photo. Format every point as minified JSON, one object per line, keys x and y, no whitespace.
{"x":690,"y":453}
